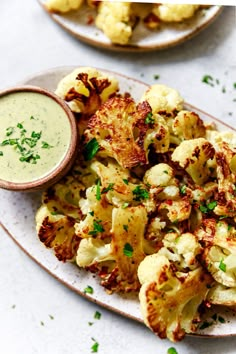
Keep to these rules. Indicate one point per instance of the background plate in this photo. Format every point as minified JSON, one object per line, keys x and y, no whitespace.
{"x":168,"y":35}
{"x":17,"y":215}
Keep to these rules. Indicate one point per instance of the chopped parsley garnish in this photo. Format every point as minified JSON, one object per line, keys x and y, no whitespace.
{"x":9,"y":131}
{"x":94,"y":347}
{"x":45,"y":145}
{"x":156,"y":77}
{"x":125,"y":227}
{"x":166,"y":172}
{"x":205,"y":324}
{"x":97,"y":315}
{"x":88,"y":290}
{"x":212,"y":205}
{"x":140,"y":193}
{"x":208,"y":207}
{"x":91,"y":213}
{"x":125,"y":181}
{"x":182,"y":189}
{"x":128,"y":250}
{"x":149,"y":118}
{"x":108,"y":188}
{"x":90,"y":149}
{"x":221,"y":319}
{"x":51,"y":317}
{"x":23,"y":144}
{"x":1,"y":153}
{"x":172,"y":350}
{"x":98,"y":190}
{"x":97,"y":227}
{"x":203,"y":209}
{"x":125,"y":205}
{"x":222,"y":266}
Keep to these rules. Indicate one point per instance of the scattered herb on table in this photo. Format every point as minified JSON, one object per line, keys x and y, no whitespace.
{"x":94,"y":347}
{"x":97,"y":315}
{"x":156,"y":77}
{"x":51,"y":317}
{"x":172,"y":350}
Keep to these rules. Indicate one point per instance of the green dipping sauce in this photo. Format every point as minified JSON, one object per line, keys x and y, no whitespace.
{"x":35,"y":135}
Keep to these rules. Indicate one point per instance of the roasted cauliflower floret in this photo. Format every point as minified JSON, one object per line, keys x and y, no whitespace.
{"x":128,"y":227}
{"x":97,"y":212}
{"x":63,"y":5}
{"x":115,"y":20}
{"x":220,"y":252}
{"x":57,"y":232}
{"x":85,"y":89}
{"x":176,"y":210}
{"x":160,"y":175}
{"x":163,"y":99}
{"x":174,"y":12}
{"x":117,"y":185}
{"x":92,"y":251}
{"x":170,"y":300}
{"x":193,"y":155}
{"x":222,"y":295}
{"x":122,"y":131}
{"x":188,"y":125}
{"x":182,"y":249}
{"x":226,"y":200}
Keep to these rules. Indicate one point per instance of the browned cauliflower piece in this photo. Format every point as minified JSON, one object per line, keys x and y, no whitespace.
{"x":188,"y":125}
{"x":57,"y":232}
{"x":193,"y":155}
{"x":222,"y":295}
{"x":220,"y":251}
{"x":128,"y":227}
{"x":116,"y":261}
{"x":163,"y":99}
{"x":85,"y":89}
{"x":124,"y":131}
{"x":170,"y":300}
{"x":177,"y":210}
{"x":226,"y":200}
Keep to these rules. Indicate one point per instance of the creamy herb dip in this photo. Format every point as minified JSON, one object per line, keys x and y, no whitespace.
{"x":35,"y":135}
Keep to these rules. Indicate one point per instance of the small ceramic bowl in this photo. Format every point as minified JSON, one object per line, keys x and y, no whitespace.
{"x":38,"y":138}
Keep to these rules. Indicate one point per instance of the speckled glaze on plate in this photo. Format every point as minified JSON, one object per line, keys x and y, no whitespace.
{"x":168,"y":35}
{"x":17,"y":217}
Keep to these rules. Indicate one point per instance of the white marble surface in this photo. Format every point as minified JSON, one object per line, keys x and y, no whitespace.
{"x":37,"y":313}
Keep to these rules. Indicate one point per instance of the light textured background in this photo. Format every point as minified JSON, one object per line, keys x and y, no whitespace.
{"x":37,"y":313}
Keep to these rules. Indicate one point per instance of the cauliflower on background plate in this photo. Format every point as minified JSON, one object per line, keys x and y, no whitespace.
{"x":117,"y":20}
{"x":149,"y":205}
{"x":63,"y":5}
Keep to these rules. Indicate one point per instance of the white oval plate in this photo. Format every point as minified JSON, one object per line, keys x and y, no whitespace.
{"x":168,"y":35}
{"x":17,"y":216}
